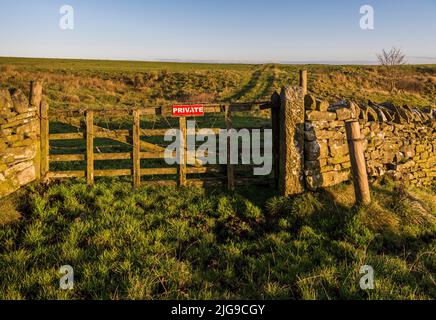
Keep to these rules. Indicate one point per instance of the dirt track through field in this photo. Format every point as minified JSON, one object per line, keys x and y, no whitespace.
{"x":264,"y":80}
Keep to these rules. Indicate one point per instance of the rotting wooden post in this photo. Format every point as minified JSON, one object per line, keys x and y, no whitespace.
{"x":291,"y":117}
{"x":35,"y":97}
{"x":136,"y":149}
{"x":275,"y":125}
{"x":182,"y":152}
{"x":303,"y":81}
{"x":90,"y":147}
{"x":230,"y":167}
{"x":358,"y":164}
{"x":44,"y":139}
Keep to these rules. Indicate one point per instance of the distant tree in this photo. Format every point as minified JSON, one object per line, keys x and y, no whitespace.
{"x":390,"y":60}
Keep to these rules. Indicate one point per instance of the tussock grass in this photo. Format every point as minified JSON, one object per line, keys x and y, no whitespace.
{"x":166,"y":243}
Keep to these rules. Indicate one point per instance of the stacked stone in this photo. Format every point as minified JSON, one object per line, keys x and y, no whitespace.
{"x":18,"y":140}
{"x":399,"y":141}
{"x":327,"y":160}
{"x":407,"y":152}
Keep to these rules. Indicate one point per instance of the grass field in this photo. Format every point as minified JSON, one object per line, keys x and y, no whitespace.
{"x":124,"y":83}
{"x":189,"y":243}
{"x":162,"y":243}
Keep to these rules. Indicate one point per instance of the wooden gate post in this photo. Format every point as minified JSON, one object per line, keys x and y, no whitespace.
{"x":90,"y":147}
{"x":303,"y":81}
{"x":358,"y":164}
{"x":291,"y":178}
{"x":136,"y":149}
{"x":44,"y":138}
{"x":182,"y":152}
{"x":275,"y":125}
{"x":35,"y":98}
{"x":230,"y":168}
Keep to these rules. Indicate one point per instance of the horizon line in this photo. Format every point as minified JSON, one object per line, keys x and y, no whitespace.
{"x":219,"y":61}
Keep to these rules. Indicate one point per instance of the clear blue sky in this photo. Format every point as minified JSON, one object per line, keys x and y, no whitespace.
{"x":225,"y":30}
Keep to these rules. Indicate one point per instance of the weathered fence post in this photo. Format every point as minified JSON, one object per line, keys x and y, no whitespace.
{"x":275,"y":125}
{"x":44,"y":138}
{"x":35,"y":97}
{"x":230,"y":168}
{"x":303,"y":81}
{"x":291,"y":178}
{"x":182,"y":152}
{"x":358,"y":164}
{"x":90,"y":147}
{"x":136,"y":149}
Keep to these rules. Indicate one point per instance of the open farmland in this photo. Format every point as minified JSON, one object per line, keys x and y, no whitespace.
{"x":73,"y":83}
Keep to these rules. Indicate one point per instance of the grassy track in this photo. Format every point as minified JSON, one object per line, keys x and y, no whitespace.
{"x":72,"y":83}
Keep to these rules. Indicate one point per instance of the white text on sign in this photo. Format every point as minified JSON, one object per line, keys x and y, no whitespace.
{"x":188,"y":110}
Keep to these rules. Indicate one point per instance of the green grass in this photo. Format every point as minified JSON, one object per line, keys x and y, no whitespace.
{"x":188,"y":243}
{"x":109,"y":84}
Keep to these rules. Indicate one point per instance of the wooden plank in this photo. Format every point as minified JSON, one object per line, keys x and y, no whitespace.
{"x":162,"y":132}
{"x":155,"y":132}
{"x":182,"y":152}
{"x":65,"y":174}
{"x":113,"y":172}
{"x":67,"y":157}
{"x":275,"y":124}
{"x":214,"y":109}
{"x":68,"y":112}
{"x":157,"y":171}
{"x":230,"y":169}
{"x":136,"y":157}
{"x":66,"y":136}
{"x":111,"y":134}
{"x":113,"y":156}
{"x":97,"y":157}
{"x":152,"y":155}
{"x":44,"y":139}
{"x":358,"y":163}
{"x":35,"y":98}
{"x":90,"y":147}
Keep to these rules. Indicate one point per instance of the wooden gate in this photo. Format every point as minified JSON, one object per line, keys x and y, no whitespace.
{"x":73,"y":138}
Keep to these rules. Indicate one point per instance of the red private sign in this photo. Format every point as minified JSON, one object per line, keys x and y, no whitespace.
{"x":188,"y":110}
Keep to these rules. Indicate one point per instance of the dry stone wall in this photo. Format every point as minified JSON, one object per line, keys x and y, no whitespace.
{"x":19,"y":134}
{"x":398,"y":141}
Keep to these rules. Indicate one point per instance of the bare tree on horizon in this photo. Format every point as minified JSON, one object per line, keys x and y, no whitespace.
{"x":390,"y":60}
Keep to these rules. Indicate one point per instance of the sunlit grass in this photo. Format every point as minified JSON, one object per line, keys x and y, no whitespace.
{"x":180,"y":243}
